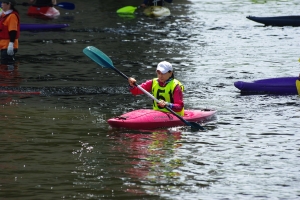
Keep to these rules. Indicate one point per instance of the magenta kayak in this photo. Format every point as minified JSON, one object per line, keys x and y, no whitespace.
{"x":147,"y":119}
{"x":39,"y":27}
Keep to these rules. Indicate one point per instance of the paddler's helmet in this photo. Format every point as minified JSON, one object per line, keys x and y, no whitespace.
{"x":164,"y":67}
{"x":12,"y":2}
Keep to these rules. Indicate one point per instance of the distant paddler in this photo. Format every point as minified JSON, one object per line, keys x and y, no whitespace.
{"x":151,"y":8}
{"x":43,"y":8}
{"x":156,"y":8}
{"x":147,"y":3}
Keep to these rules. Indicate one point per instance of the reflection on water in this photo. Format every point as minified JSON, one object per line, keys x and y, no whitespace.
{"x":9,"y":75}
{"x":146,"y":158}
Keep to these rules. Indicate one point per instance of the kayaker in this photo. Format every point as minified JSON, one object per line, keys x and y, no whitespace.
{"x":43,"y":9}
{"x":154,"y":3}
{"x":41,"y":3}
{"x":165,"y":88}
{"x":10,"y":31}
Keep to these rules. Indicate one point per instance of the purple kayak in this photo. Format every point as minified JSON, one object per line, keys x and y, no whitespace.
{"x":278,"y":86}
{"x":41,"y":27}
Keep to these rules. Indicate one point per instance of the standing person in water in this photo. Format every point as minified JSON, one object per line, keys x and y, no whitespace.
{"x":41,"y":3}
{"x":10,"y":32}
{"x":167,"y":89}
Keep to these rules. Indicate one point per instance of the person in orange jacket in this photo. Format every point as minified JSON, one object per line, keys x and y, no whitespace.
{"x":10,"y":31}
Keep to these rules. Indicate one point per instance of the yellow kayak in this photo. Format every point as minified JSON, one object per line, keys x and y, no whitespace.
{"x":157,"y":11}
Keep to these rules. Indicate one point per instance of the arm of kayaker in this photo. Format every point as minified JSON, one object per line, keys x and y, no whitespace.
{"x":178,"y":99}
{"x":135,"y":90}
{"x":131,"y":81}
{"x":163,"y":104}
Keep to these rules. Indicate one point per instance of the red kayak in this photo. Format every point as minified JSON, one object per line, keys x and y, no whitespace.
{"x":148,"y":119}
{"x":19,"y":92}
{"x":47,"y":12}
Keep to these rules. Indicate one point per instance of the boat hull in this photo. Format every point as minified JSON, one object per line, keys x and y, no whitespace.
{"x":148,"y":119}
{"x":39,"y":27}
{"x":278,"y":86}
{"x":277,"y":21}
{"x":157,"y":11}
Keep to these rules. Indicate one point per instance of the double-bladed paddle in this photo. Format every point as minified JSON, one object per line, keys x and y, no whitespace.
{"x":104,"y":61}
{"x":64,"y":5}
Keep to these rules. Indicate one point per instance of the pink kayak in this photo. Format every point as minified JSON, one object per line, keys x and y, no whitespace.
{"x":147,"y":119}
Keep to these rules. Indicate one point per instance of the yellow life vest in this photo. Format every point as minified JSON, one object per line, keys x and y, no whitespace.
{"x":165,"y":93}
{"x":298,"y":86}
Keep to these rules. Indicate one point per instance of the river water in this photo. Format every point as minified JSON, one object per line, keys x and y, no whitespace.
{"x":58,"y":145}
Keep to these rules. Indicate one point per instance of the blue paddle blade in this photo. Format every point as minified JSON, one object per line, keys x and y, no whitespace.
{"x":98,"y":56}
